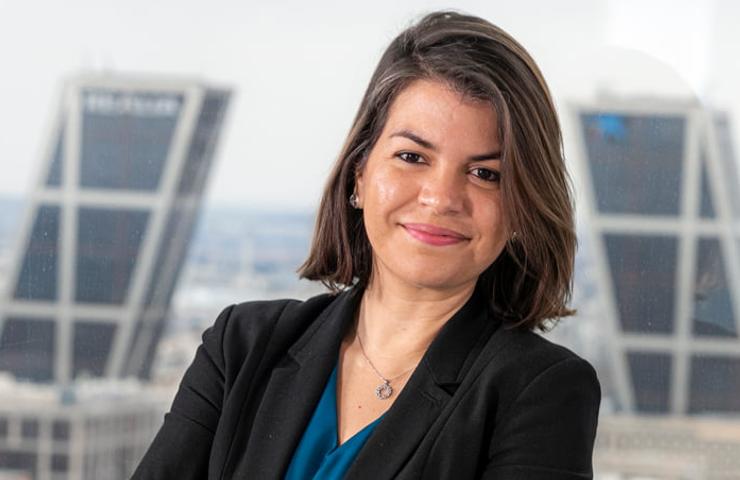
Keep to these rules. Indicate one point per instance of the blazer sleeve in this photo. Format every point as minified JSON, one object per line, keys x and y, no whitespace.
{"x":182,"y":446}
{"x":550,"y":429}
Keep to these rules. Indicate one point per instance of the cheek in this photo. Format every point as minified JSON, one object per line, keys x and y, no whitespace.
{"x":385,"y":188}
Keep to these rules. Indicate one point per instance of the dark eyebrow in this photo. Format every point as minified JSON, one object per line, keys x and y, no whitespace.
{"x":495,"y":155}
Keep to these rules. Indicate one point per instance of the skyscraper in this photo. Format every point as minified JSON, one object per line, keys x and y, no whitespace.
{"x":663,"y":206}
{"x":107,"y":227}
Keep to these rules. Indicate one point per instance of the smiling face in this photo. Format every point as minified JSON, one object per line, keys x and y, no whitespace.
{"x":430,"y":192}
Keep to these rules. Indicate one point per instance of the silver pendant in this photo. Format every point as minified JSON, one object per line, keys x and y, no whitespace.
{"x":384,"y":391}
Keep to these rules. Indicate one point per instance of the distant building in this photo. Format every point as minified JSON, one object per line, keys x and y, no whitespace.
{"x":663,"y":206}
{"x":107,"y":227}
{"x":90,"y":430}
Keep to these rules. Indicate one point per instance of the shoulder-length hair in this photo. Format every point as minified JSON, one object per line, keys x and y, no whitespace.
{"x":530,"y":283}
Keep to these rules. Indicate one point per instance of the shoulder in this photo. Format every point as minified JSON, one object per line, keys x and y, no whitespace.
{"x":243,"y":326}
{"x":527,"y":364}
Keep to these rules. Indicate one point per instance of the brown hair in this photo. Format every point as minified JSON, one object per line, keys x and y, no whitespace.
{"x":530,"y":283}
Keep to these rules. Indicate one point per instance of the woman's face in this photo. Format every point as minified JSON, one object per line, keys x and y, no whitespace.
{"x":430,"y":190}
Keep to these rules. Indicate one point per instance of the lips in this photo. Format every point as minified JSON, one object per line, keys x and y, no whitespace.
{"x":434,"y":235}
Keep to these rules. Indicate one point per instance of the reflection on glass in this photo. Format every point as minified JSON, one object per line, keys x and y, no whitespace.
{"x":651,"y":380}
{"x":643,"y":271}
{"x":636,"y":162}
{"x":713,"y":314}
{"x":108,"y":244}
{"x":715,"y":384}
{"x":38,"y":275}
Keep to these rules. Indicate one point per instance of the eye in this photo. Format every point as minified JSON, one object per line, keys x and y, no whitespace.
{"x":410,"y":157}
{"x":487,"y":175}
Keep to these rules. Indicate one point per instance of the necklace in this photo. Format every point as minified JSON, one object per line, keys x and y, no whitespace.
{"x":384,"y":390}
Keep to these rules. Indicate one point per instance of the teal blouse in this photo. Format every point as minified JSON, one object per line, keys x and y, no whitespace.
{"x":318,"y":457}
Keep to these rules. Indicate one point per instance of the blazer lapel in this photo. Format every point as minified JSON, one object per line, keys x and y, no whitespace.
{"x":429,"y":389}
{"x":293,"y":391}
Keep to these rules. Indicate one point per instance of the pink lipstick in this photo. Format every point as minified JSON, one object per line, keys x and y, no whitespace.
{"x":433,"y":235}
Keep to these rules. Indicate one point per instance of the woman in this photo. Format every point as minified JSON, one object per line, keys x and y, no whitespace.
{"x":448,"y":219}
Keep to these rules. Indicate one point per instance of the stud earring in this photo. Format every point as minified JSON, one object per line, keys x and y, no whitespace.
{"x":354,"y":201}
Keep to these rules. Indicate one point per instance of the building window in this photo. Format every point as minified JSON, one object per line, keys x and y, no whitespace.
{"x":60,"y":430}
{"x":27,"y":348}
{"x":643,"y":271}
{"x":108,"y":245}
{"x":38,"y":275}
{"x":29,"y":428}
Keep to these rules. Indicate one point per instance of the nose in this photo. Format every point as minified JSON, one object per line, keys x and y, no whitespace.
{"x":443,"y":191}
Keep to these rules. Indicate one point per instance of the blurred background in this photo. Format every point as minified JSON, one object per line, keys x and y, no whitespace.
{"x":162,"y":160}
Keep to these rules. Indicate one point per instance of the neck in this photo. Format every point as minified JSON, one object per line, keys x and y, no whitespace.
{"x":398,"y":322}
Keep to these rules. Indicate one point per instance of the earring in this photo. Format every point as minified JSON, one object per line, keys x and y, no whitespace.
{"x":513,"y":235}
{"x":354,"y":201}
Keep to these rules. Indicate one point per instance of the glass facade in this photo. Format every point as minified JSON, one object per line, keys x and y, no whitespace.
{"x":92,"y":346}
{"x":728,"y":163}
{"x":643,"y":272}
{"x":714,"y":384}
{"x":38,"y":275}
{"x":156,"y":292}
{"x":202,"y":142}
{"x":54,"y":179}
{"x":27,"y":348}
{"x":108,"y":245}
{"x":706,"y":209}
{"x":636,"y":162}
{"x":651,"y":380}
{"x":126,"y":138}
{"x":713,"y":314}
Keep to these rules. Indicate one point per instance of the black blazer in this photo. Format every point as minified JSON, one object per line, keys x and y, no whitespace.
{"x":484,"y":402}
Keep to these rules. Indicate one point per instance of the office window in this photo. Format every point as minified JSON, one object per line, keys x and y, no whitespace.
{"x":706,"y":209}
{"x":38,"y":275}
{"x":108,"y":246}
{"x":713,"y":312}
{"x":29,"y":428}
{"x":200,"y":151}
{"x":54,"y":178}
{"x":60,"y":430}
{"x":643,"y":271}
{"x":651,"y":380}
{"x":714,"y":385}
{"x":636,"y":162}
{"x":92,"y":347}
{"x":126,"y":138}
{"x":27,"y":348}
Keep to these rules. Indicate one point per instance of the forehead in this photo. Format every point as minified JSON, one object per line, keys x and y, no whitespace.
{"x":436,"y":110}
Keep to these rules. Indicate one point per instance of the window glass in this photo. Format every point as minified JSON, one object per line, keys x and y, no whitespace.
{"x":55,"y":170}
{"x":27,"y":348}
{"x":715,"y":384}
{"x":713,"y":313}
{"x":707,"y":204}
{"x":108,"y":245}
{"x":651,"y":380}
{"x":200,"y":151}
{"x":38,"y":275}
{"x":636,"y":162}
{"x":126,"y":138}
{"x":92,"y":347}
{"x":643,"y":271}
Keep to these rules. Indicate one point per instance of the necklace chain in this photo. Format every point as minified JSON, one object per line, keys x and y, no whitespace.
{"x":387,"y":381}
